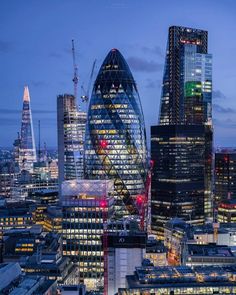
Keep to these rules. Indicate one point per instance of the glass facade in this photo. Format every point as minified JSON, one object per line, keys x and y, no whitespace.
{"x":27,"y":151}
{"x":71,"y":130}
{"x":197,"y":82}
{"x":186,"y":54}
{"x":115,"y":143}
{"x":181,"y":280}
{"x":86,"y":206}
{"x":179,"y":188}
{"x":181,"y":146}
{"x":225,"y":175}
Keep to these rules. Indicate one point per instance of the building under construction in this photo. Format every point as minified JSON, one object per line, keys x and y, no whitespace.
{"x":71,"y":128}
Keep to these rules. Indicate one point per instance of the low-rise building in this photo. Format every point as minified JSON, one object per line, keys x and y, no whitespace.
{"x":210,"y":254}
{"x":227,"y":211}
{"x":156,"y":252}
{"x":14,"y":282}
{"x":73,"y":290}
{"x":16,"y":214}
{"x":181,"y":280}
{"x":176,"y":234}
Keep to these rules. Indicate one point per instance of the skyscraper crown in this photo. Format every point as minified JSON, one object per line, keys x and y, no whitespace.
{"x":26,"y":96}
{"x":114,"y":70}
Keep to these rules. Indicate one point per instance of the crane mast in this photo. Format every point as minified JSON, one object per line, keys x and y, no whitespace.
{"x":75,"y":78}
{"x":86,"y":93}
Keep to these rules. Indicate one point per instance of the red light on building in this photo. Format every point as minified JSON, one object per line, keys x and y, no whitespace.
{"x":103,"y":204}
{"x":139,"y":200}
{"x":103,"y":144}
{"x":225,"y":158}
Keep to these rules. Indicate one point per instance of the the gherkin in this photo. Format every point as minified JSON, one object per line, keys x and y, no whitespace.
{"x":115,"y":143}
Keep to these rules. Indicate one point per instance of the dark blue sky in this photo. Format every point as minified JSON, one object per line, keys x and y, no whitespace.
{"x":35,"y":42}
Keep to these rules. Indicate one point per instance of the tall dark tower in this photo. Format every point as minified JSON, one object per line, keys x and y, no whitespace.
{"x":181,"y":145}
{"x":115,"y":142}
{"x":27,"y":151}
{"x":186,"y":91}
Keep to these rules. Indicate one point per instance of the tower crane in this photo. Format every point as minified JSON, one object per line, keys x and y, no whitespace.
{"x":75,"y":78}
{"x":86,"y":93}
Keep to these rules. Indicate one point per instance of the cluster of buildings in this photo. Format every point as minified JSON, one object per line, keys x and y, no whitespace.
{"x":106,"y":216}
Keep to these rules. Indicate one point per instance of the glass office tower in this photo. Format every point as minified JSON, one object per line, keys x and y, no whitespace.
{"x":70,"y":134}
{"x":86,"y":207}
{"x":181,"y":145}
{"x":115,"y":142}
{"x":225,"y":175}
{"x":27,"y":151}
{"x":186,"y":61}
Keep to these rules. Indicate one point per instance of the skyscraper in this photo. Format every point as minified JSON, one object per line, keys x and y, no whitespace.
{"x":225,"y":175}
{"x":187,"y":80}
{"x":70,"y":133}
{"x":27,"y":151}
{"x":115,"y":142}
{"x":181,"y":145}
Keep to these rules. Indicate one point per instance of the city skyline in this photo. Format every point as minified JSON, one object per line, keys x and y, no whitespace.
{"x":31,"y":55}
{"x":118,"y":168}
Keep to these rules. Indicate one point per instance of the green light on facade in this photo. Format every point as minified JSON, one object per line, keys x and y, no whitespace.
{"x":193,"y":89}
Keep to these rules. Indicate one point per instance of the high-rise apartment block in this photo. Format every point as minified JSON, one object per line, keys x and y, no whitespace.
{"x":181,"y":145}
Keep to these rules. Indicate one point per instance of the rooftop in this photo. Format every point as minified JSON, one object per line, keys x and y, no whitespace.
{"x":209,"y":250}
{"x":167,"y":276}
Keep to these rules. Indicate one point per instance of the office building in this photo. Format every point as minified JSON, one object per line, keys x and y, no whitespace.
{"x":27,"y":151}
{"x":225,"y":175}
{"x":181,"y":145}
{"x":126,"y":251}
{"x":70,"y":135}
{"x":26,"y":184}
{"x":86,"y":206}
{"x":115,"y":145}
{"x":7,"y":174}
{"x":14,"y":282}
{"x":14,"y":214}
{"x":181,"y":280}
{"x":176,"y":235}
{"x":156,"y":252}
{"x":208,"y":255}
{"x":227,"y":211}
{"x":187,"y":79}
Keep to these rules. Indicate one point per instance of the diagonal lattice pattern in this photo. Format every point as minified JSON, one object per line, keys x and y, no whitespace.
{"x":115,"y":143}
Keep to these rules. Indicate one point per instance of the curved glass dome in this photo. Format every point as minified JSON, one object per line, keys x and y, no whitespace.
{"x":115,"y":141}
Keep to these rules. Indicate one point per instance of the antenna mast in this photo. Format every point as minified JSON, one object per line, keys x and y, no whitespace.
{"x":39,"y":147}
{"x":75,"y":78}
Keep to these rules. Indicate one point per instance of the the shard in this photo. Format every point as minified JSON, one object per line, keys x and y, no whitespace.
{"x":115,"y":142}
{"x":27,"y":152}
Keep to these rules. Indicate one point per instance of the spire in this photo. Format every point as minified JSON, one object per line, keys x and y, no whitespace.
{"x":27,"y":154}
{"x":26,"y":96}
